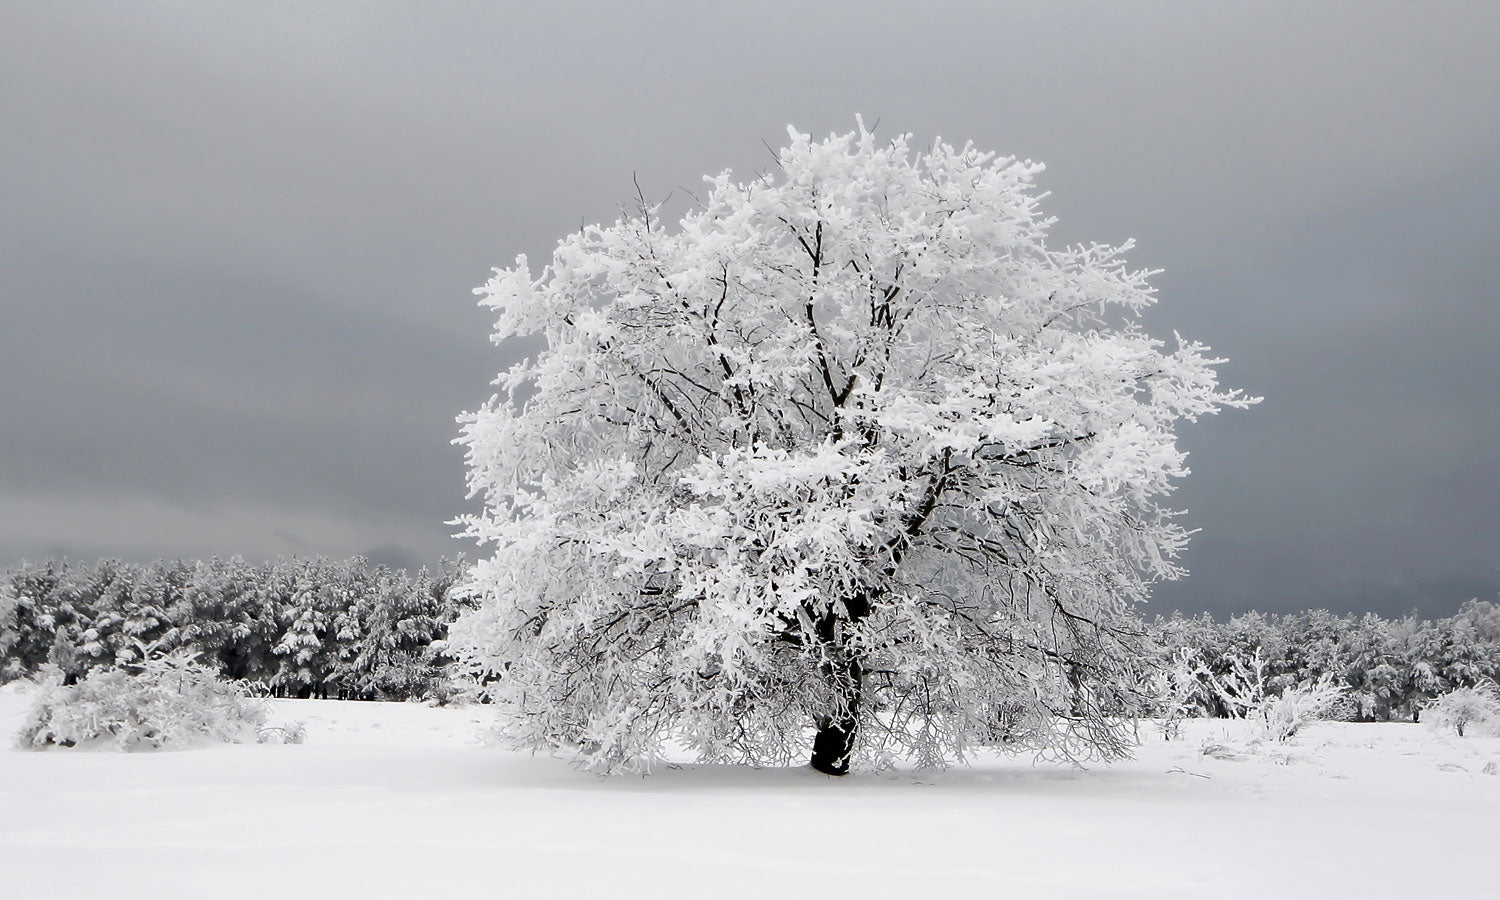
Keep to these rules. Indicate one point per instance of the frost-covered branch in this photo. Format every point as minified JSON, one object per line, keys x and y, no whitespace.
{"x":823,"y":400}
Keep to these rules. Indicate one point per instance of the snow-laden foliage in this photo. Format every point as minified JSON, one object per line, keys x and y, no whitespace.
{"x":296,"y":627}
{"x":849,"y":447}
{"x":1465,"y":709}
{"x":293,"y":732}
{"x":163,"y":700}
{"x":10,"y":630}
{"x":1280,"y":717}
{"x":1240,"y":689}
{"x":1176,"y":687}
{"x":1391,"y":667}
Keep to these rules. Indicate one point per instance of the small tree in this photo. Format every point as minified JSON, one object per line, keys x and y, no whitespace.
{"x":850,"y":447}
{"x":1462,"y":707}
{"x":1180,"y":687}
{"x":306,"y":646}
{"x":1281,"y":717}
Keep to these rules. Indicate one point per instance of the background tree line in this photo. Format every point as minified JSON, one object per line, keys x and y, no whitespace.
{"x":297,"y":627}
{"x":1391,"y":668}
{"x":313,"y":627}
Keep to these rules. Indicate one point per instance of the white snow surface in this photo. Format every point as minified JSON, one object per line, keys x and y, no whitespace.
{"x":403,"y":800}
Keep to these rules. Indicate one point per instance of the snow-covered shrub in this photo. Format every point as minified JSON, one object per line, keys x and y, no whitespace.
{"x":1241,"y":689}
{"x":1270,"y":721}
{"x":294,"y":732}
{"x":1459,"y":709}
{"x":166,"y":700}
{"x":1013,"y":723}
{"x":1347,"y":708}
{"x":1178,"y":689}
{"x":1281,"y":717}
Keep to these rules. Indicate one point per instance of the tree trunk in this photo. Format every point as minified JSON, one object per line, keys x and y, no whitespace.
{"x":834,"y":742}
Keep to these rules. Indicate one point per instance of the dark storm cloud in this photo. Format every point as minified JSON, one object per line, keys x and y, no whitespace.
{"x":1367,"y":478}
{"x":237,"y":241}
{"x":206,"y":386}
{"x":205,"y":391}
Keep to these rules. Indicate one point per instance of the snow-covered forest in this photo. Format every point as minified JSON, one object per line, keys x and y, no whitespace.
{"x":1390,"y":668}
{"x":295,"y":627}
{"x":349,"y":629}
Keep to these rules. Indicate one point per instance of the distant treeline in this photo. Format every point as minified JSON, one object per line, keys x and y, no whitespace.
{"x":296,"y":627}
{"x":1390,"y":667}
{"x":349,"y":629}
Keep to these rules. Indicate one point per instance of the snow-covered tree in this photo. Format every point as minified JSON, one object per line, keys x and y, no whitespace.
{"x":307,"y":647}
{"x":225,"y":614}
{"x":70,"y":614}
{"x":1462,"y":707}
{"x":850,"y":447}
{"x":10,"y":629}
{"x":1181,"y":688}
{"x":147,"y":619}
{"x":401,"y":619}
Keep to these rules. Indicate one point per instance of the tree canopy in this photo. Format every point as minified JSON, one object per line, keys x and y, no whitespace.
{"x":848,"y":460}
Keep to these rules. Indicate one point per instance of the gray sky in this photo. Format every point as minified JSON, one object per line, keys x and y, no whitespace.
{"x":237,"y":243}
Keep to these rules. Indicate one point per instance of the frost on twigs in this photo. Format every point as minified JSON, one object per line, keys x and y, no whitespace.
{"x":163,"y":701}
{"x":294,"y":732}
{"x":1466,"y":710}
{"x":1177,"y":687}
{"x":846,"y":462}
{"x":1270,"y":721}
{"x":1282,"y":716}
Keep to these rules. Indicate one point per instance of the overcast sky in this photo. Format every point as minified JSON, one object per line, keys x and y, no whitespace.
{"x":237,"y":244}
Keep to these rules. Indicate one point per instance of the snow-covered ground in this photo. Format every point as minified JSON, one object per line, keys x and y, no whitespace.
{"x":400,"y":800}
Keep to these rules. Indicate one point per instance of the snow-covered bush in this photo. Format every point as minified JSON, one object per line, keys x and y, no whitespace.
{"x":167,"y":700}
{"x":1281,"y":717}
{"x":294,"y":732}
{"x":1240,"y":689}
{"x":1179,"y":689}
{"x":1465,"y":708}
{"x":1269,"y":721}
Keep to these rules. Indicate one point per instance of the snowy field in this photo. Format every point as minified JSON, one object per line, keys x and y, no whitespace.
{"x":401,"y":800}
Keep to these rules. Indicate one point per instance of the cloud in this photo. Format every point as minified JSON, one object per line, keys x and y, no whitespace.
{"x":201,"y":392}
{"x":1366,"y":478}
{"x":237,"y":244}
{"x":142,"y":528}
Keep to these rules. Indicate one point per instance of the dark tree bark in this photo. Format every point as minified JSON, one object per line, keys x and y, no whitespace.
{"x":834,"y":742}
